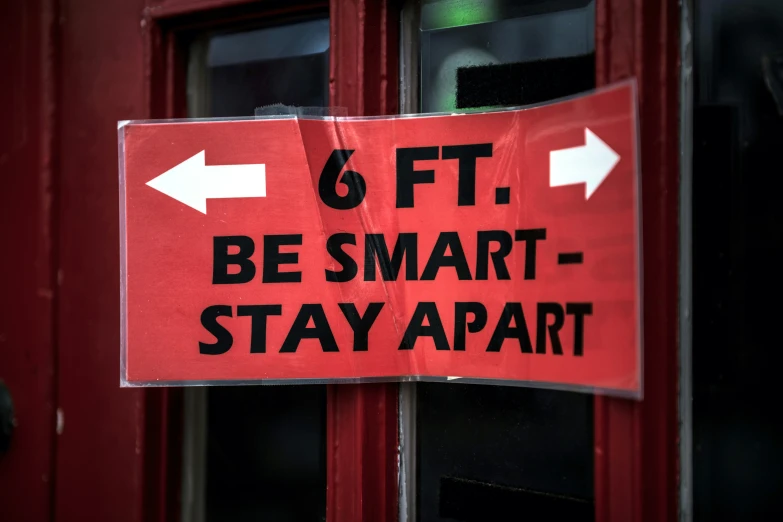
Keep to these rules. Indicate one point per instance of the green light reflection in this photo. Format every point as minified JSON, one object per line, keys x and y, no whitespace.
{"x":456,"y":13}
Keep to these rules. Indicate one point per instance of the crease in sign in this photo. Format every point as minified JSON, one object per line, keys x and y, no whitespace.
{"x":368,"y":226}
{"x":318,"y":203}
{"x":316,"y":200}
{"x":323,"y":114}
{"x":361,"y":210}
{"x":365,"y":220}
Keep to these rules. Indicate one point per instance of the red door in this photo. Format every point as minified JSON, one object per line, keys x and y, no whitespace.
{"x":84,"y":449}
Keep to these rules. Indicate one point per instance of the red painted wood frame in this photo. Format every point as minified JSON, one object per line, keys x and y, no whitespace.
{"x":27,"y":255}
{"x":362,"y":428}
{"x":636,"y":443}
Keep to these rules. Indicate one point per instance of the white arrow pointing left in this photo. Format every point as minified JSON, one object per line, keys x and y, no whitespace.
{"x":192,"y":182}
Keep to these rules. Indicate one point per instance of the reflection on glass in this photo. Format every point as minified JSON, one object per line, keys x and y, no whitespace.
{"x":236,"y":73}
{"x":459,"y":33}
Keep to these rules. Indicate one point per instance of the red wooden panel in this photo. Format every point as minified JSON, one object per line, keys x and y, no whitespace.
{"x":636,"y":442}
{"x":100,"y":458}
{"x":27,"y":288}
{"x":362,"y":432}
{"x":167,"y":8}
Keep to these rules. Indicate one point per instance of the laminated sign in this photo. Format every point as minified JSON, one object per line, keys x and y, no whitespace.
{"x":500,"y":247}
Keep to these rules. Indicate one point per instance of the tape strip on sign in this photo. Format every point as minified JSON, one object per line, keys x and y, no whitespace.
{"x":497,"y":247}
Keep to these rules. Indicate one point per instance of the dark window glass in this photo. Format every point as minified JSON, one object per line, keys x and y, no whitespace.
{"x":492,"y":452}
{"x":233,"y":74}
{"x":264,"y":454}
{"x":737,"y":250}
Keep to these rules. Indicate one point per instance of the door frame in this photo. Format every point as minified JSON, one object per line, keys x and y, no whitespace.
{"x":636,"y":443}
{"x":122,"y":445}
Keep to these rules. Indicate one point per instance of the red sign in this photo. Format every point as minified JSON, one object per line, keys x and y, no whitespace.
{"x":497,"y":246}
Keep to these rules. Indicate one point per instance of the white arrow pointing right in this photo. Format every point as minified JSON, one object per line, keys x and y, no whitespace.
{"x":590,"y":164}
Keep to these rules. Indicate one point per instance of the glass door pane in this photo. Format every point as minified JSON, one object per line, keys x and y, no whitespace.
{"x":256,"y":452}
{"x":491,"y":452}
{"x":737,"y":457}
